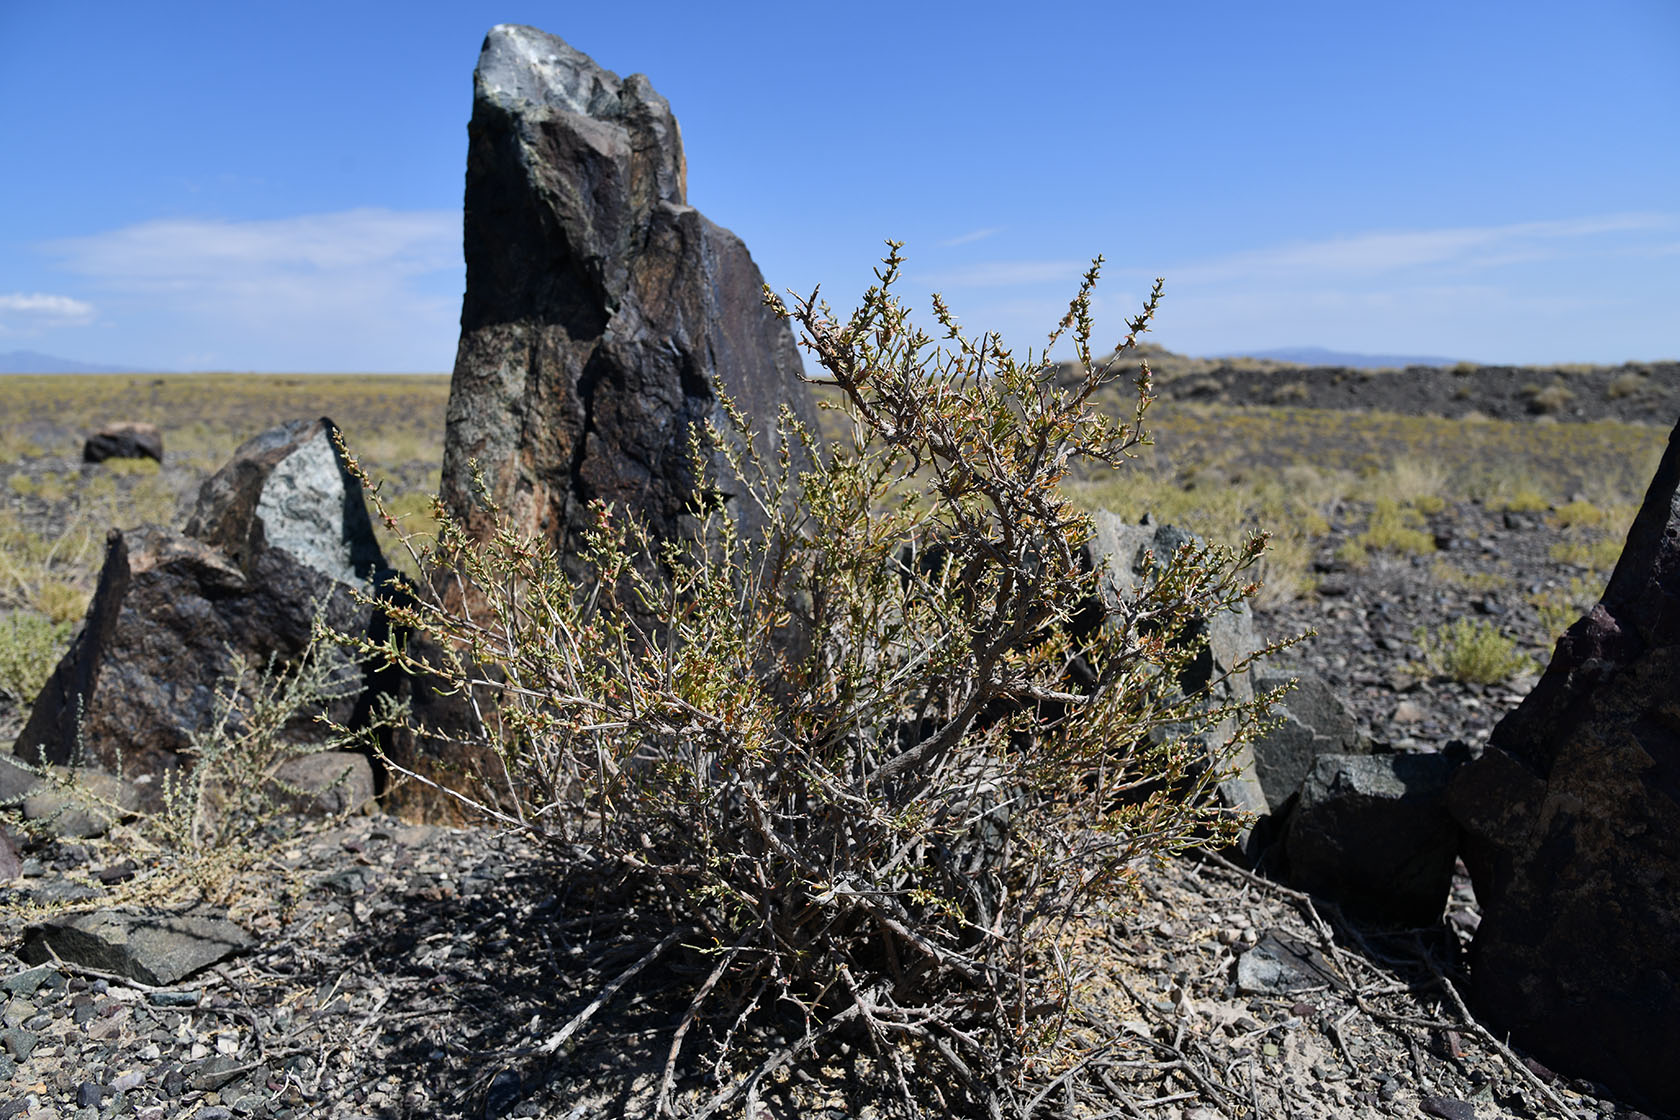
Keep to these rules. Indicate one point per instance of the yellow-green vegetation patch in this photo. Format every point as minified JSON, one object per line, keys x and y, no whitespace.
{"x":1557,"y":607}
{"x":390,"y":419}
{"x":1627,"y":385}
{"x":1492,"y":461}
{"x":1597,"y":554}
{"x":30,"y":646}
{"x":1472,"y":651}
{"x":1547,"y":400}
{"x":1445,"y":571}
{"x":1523,"y":501}
{"x":1395,"y":528}
{"x":1578,"y":514}
{"x":1226,"y":510}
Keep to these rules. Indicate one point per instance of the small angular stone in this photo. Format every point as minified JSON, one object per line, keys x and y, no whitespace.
{"x":153,"y":949}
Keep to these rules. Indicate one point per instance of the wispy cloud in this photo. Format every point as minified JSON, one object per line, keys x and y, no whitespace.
{"x":970,"y":237}
{"x":1007,"y":274}
{"x":1466,"y":247}
{"x":334,"y":290}
{"x":39,"y":309}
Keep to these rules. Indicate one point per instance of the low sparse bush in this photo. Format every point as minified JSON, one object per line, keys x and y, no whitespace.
{"x":1395,"y":528}
{"x":864,"y":760}
{"x":1628,"y":384}
{"x":1557,"y":608}
{"x":30,"y":645}
{"x":227,"y":809}
{"x":1579,"y":514}
{"x":1547,"y":401}
{"x":1524,"y":501}
{"x":1472,"y":651}
{"x":1596,"y":553}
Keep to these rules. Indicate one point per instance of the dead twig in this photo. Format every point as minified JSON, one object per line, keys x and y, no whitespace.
{"x":1504,"y":1051}
{"x":559,"y":1037}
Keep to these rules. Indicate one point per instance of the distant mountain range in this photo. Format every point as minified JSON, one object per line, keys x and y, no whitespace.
{"x":28,"y":361}
{"x":1319,"y":356}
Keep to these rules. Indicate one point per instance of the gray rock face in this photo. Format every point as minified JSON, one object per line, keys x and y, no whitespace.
{"x":600,"y":307}
{"x":279,"y":533}
{"x":124,"y":441}
{"x":1315,"y":721}
{"x":1373,"y":833}
{"x":1120,"y":549}
{"x":1572,"y":832}
{"x":11,"y":862}
{"x":324,"y":783}
{"x":156,"y":949}
{"x":81,"y":803}
{"x":1280,"y":965}
{"x":287,"y":491}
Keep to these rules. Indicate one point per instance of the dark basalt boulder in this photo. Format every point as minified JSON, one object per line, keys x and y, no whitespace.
{"x":1572,"y":832}
{"x":1314,"y":721}
{"x":128,"y":440}
{"x":600,"y":307}
{"x":1372,"y":832}
{"x":279,"y":534}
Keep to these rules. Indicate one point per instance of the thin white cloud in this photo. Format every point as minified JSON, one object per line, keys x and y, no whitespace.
{"x":355,"y":289}
{"x":970,"y":237}
{"x":46,"y":310}
{"x":1007,"y":274}
{"x":1377,"y":253}
{"x":184,"y":252}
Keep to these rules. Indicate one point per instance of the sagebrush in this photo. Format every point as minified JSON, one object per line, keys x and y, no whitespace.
{"x":871,"y":760}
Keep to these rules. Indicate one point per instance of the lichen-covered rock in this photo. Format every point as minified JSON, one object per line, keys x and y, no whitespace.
{"x":600,"y":307}
{"x":1572,"y":824}
{"x":1120,"y":549}
{"x":280,"y":534}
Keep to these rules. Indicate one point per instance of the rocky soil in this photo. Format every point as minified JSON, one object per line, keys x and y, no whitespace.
{"x":1638,"y":392}
{"x":409,"y":971}
{"x":414,"y":971}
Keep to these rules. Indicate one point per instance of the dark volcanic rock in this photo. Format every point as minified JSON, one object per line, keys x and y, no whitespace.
{"x":124,"y":441}
{"x":600,"y":307}
{"x":1315,"y":721}
{"x":1572,"y":822}
{"x":154,"y":949}
{"x":1373,"y":833}
{"x":279,"y":534}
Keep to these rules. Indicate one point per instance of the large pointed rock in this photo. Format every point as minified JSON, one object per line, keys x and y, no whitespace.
{"x":600,"y":306}
{"x":1572,"y":832}
{"x":279,"y":535}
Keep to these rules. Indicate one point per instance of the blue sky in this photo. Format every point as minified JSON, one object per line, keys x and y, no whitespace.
{"x":278,"y":186}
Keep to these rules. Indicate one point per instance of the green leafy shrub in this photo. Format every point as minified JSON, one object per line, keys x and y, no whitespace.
{"x":865,"y":760}
{"x":1472,"y":651}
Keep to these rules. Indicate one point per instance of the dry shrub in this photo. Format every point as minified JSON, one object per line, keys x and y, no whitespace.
{"x":871,"y":760}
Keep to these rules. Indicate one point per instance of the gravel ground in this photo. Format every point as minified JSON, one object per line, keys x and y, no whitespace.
{"x":413,"y":971}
